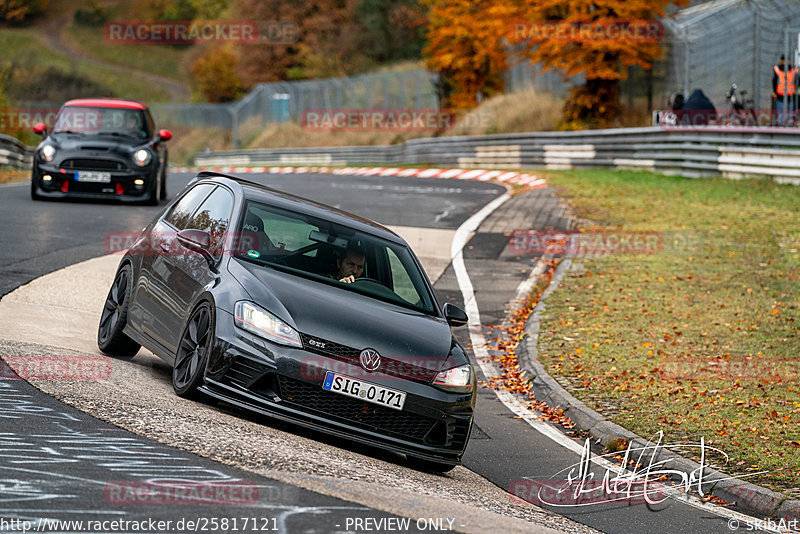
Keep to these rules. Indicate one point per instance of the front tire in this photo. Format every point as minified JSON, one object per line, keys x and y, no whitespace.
{"x":193,"y":350}
{"x":110,"y":336}
{"x":34,"y":191}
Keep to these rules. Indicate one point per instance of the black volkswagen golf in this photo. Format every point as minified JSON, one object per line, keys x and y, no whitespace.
{"x":299,"y":311}
{"x":101,"y":148}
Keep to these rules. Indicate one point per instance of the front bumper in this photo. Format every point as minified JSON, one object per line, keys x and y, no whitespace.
{"x":286,"y":383}
{"x":64,"y":183}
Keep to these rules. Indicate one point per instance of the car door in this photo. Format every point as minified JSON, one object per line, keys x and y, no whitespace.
{"x":188,"y":272}
{"x":157,"y":297}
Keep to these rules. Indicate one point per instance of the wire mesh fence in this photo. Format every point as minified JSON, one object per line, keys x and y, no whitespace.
{"x":716,"y":44}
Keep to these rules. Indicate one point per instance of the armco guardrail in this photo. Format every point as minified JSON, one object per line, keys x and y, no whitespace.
{"x":698,"y":152}
{"x":14,"y":153}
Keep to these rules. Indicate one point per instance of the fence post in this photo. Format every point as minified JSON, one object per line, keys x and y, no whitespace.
{"x":234,"y":126}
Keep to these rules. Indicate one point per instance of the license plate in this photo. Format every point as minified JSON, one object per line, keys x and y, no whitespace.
{"x":93,"y":176}
{"x":366,"y":391}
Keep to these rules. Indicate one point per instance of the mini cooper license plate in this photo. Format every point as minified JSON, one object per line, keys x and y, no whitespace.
{"x":94,"y":177}
{"x":366,"y":391}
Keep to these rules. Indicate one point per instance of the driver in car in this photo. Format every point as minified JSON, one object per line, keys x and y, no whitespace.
{"x":350,"y":265}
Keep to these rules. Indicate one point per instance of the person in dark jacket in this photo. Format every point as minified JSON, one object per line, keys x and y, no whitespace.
{"x":697,"y":110}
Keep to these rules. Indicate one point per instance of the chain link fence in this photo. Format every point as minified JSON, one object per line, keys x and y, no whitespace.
{"x":715,"y":44}
{"x":288,"y":101}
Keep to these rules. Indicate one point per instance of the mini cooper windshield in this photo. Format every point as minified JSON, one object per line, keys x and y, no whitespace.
{"x":102,"y":121}
{"x":334,"y":254}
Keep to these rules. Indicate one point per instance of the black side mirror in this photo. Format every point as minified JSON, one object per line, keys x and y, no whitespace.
{"x":198,"y":241}
{"x":455,"y":316}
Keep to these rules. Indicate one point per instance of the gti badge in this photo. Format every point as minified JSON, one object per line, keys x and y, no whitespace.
{"x":370,"y":359}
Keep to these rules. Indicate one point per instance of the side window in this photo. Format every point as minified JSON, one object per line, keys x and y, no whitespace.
{"x":151,"y":126}
{"x":214,"y":215}
{"x":181,"y":212}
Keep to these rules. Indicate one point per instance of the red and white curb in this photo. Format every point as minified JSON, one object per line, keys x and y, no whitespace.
{"x":530,"y":181}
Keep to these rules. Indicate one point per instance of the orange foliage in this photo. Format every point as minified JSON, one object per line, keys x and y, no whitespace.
{"x":470,"y":43}
{"x":465,"y":46}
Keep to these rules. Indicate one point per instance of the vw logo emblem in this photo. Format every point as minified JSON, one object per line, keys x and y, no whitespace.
{"x":370,"y":359}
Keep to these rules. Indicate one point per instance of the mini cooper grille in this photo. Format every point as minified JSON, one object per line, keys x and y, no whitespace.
{"x":361,"y":414}
{"x":420,"y":370}
{"x":92,"y":164}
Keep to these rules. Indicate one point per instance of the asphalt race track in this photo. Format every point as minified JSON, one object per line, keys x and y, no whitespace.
{"x":47,"y":444}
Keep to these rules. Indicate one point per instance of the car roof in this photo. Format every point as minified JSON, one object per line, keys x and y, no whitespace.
{"x":259,"y":192}
{"x":106,"y":103}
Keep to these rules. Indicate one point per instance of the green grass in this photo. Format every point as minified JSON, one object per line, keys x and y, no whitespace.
{"x":699,"y":339}
{"x":21,"y":47}
{"x":163,"y":60}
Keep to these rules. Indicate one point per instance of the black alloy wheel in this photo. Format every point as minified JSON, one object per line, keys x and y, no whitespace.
{"x":110,"y":336}
{"x":192,"y":356}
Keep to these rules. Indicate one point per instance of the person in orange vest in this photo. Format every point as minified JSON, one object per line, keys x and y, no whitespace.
{"x":784,"y":86}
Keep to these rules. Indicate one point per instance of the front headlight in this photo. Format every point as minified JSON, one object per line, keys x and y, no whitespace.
{"x":48,"y":152}
{"x":457,"y":379}
{"x":142,"y":157}
{"x":260,"y":322}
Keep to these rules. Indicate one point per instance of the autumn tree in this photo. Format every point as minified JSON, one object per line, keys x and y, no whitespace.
{"x":470,"y":43}
{"x":466,"y":47}
{"x":601,"y":39}
{"x":392,"y":29}
{"x":326,"y":44}
{"x":19,"y":11}
{"x":215,"y":75}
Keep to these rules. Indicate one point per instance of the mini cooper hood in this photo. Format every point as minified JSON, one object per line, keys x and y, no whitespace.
{"x":96,"y":145}
{"x":346,"y":317}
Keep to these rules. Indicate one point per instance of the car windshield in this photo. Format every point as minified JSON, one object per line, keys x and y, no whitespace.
{"x":102,"y":121}
{"x":320,"y":250}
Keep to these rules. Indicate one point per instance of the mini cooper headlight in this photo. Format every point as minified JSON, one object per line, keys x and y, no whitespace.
{"x":257,"y":320}
{"x":142,"y":157}
{"x":48,"y":152}
{"x":457,"y":379}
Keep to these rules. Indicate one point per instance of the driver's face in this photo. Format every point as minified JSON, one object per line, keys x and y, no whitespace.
{"x":351,"y":265}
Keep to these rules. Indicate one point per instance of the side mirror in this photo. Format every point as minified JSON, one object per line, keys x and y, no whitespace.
{"x":198,"y":241}
{"x":455,"y":316}
{"x":40,"y":128}
{"x":165,"y":135}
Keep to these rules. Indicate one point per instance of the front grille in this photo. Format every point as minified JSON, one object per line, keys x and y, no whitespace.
{"x":361,"y":414}
{"x":92,"y":165}
{"x":404,"y":369}
{"x":334,"y":350}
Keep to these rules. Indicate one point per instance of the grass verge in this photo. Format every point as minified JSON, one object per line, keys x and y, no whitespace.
{"x":700,"y":339}
{"x":8,"y":176}
{"x":35,"y":64}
